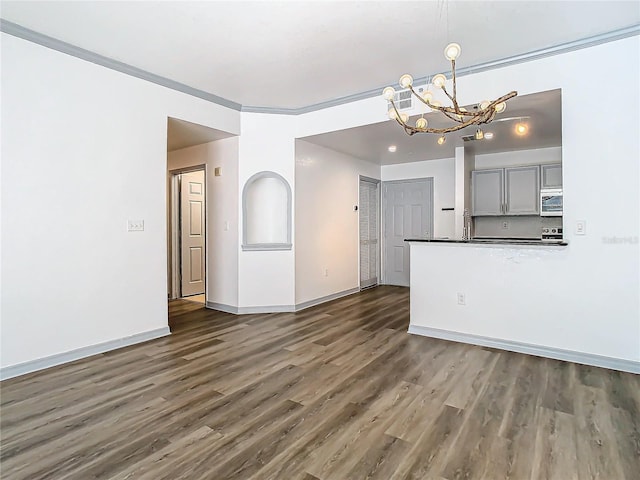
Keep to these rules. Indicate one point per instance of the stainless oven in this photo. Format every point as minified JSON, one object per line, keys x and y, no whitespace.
{"x":551,"y":202}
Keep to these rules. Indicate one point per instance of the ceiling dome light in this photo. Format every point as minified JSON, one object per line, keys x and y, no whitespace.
{"x":421,"y":122}
{"x":392,"y":148}
{"x":388,"y":93}
{"x":521,"y":129}
{"x":404,"y":117}
{"x":452,"y":51}
{"x":441,"y":140}
{"x":406,"y":80}
{"x":484,"y":104}
{"x":439,"y":80}
{"x":488,"y":135}
{"x":500,"y":107}
{"x":392,"y":114}
{"x":479,"y":134}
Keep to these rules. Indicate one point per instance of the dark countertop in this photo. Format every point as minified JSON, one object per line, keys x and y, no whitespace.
{"x":494,"y":241}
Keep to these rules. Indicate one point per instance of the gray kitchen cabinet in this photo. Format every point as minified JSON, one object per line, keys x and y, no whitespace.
{"x":552,"y":176}
{"x":506,"y":191}
{"x":487,"y":192}
{"x":522,"y":190}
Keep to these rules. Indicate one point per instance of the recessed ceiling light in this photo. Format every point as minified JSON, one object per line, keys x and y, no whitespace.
{"x":488,"y":135}
{"x":392,"y":148}
{"x":521,"y":129}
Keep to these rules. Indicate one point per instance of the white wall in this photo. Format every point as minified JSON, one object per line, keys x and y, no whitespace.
{"x":267,"y":278}
{"x":222,"y":213}
{"x":327,"y":230}
{"x":443,"y":173}
{"x":83,"y":149}
{"x":516,"y":158}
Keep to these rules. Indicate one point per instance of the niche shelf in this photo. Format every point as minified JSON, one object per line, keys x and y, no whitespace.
{"x":266,"y":212}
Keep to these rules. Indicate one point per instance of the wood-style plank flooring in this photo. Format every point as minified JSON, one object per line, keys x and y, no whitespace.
{"x":339,"y":391}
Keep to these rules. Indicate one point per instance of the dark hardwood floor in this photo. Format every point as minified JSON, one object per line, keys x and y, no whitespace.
{"x":339,"y":391}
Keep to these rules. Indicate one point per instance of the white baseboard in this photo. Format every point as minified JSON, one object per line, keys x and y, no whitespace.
{"x":221,"y":307}
{"x":60,"y":358}
{"x":327,"y":298}
{"x":537,"y":350}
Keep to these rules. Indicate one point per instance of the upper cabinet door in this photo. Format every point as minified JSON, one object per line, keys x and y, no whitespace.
{"x":522,"y":190}
{"x":552,"y":176}
{"x":487,"y":194}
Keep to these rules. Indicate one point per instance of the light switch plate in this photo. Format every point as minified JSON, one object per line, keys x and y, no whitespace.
{"x":135,"y":225}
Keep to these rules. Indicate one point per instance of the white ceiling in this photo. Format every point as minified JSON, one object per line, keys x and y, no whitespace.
{"x":183,"y":134}
{"x":542,"y":112}
{"x":296,"y":54}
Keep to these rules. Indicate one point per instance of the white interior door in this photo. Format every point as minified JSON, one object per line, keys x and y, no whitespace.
{"x":408,"y":208}
{"x":192,"y":232}
{"x":369,"y":233}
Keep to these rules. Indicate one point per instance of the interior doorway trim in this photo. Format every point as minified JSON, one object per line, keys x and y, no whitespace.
{"x":174,"y":233}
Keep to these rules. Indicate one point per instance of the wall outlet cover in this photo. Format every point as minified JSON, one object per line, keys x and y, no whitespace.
{"x":135,"y":225}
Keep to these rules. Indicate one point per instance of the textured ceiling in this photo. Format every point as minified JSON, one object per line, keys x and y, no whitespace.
{"x":297,"y":54}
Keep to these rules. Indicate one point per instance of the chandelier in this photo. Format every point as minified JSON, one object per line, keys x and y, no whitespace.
{"x":484,"y":112}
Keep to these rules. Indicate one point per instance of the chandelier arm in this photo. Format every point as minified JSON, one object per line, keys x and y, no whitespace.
{"x":453,"y":77}
{"x":418,"y":96}
{"x":451,"y":117}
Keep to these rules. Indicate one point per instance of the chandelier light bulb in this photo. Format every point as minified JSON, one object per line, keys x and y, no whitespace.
{"x":388,"y":93}
{"x":404,"y":117}
{"x":439,"y":80}
{"x":392,"y":114}
{"x":435,"y":104}
{"x":406,"y":80}
{"x":441,"y":140}
{"x":484,"y":104}
{"x":427,"y":96}
{"x":500,"y":107}
{"x":421,"y":122}
{"x":479,"y":134}
{"x":452,"y":51}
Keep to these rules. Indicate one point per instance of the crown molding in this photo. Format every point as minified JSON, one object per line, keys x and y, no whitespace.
{"x":482,"y":67}
{"x":64,"y":47}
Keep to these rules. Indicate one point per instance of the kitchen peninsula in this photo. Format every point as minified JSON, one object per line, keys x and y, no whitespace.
{"x":497,"y":293}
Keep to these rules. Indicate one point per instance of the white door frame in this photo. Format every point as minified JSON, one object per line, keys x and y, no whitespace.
{"x":383,"y":216}
{"x":362,"y":178}
{"x":174,"y":231}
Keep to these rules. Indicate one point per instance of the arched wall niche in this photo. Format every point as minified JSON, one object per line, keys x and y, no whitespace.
{"x":266,"y":209}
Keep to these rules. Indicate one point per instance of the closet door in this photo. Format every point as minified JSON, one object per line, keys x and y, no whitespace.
{"x":369,"y":211}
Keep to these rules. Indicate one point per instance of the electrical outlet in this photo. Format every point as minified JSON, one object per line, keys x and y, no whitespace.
{"x":461,"y":299}
{"x":326,"y":272}
{"x":581,"y":227}
{"x":135,"y":225}
{"x":505,"y":225}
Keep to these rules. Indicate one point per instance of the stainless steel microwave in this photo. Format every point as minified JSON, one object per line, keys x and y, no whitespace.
{"x":551,"y":202}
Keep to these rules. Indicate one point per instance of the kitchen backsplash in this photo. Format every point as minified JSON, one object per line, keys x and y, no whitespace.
{"x":526,"y":226}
